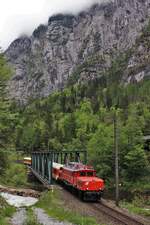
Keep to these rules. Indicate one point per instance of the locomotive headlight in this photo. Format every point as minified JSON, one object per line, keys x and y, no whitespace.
{"x":86,"y":183}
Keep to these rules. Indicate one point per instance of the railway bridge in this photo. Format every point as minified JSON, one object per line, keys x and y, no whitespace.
{"x":42,"y":163}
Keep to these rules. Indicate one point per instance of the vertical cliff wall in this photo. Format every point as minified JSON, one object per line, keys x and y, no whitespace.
{"x":43,"y":62}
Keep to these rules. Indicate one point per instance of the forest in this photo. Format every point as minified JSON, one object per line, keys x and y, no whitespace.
{"x":82,"y":117}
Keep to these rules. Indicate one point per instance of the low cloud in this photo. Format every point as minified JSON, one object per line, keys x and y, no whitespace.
{"x":22,"y":17}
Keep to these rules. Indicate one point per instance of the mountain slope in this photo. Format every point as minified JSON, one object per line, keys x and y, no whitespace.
{"x":44,"y":62}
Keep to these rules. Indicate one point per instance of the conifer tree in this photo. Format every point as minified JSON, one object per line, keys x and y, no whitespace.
{"x":7,"y":118}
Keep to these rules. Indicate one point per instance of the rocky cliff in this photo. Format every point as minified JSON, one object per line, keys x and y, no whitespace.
{"x":43,"y":62}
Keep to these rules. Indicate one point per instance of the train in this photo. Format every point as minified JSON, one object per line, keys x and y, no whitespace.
{"x":79,"y":178}
{"x":27,"y":161}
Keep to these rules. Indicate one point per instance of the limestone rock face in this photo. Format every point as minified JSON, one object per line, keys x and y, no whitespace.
{"x":138,"y":67}
{"x":43,"y":62}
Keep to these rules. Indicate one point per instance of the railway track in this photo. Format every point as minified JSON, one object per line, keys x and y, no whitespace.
{"x":117,"y":216}
{"x":114,"y":214}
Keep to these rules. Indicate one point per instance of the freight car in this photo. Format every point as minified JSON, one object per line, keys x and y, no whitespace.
{"x":80,"y":178}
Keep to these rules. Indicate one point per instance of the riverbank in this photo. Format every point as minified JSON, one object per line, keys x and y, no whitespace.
{"x":49,"y":210}
{"x":20,"y":191}
{"x":58,"y":207}
{"x":6,"y":212}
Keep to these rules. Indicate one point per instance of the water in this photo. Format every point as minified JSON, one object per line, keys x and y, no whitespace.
{"x":20,"y":216}
{"x":18,"y":201}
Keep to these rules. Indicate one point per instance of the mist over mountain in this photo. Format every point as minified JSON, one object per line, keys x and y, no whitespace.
{"x":80,"y":47}
{"x":22,"y":17}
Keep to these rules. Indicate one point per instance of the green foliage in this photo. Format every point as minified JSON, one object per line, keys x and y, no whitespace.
{"x":139,"y":205}
{"x":3,"y":162}
{"x":15,"y":174}
{"x":81,"y":117}
{"x":136,"y":163}
{"x":54,"y":206}
{"x":100,"y":148}
{"x":4,"y":105}
{"x":75,"y":119}
{"x":31,"y":218}
{"x":6,"y":212}
{"x":8,"y":118}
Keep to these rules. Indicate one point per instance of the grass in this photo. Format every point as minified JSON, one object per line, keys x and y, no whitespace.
{"x":138,"y":206}
{"x":15,"y":174}
{"x":55,"y":208}
{"x":6,"y":212}
{"x":136,"y":209}
{"x":31,"y":218}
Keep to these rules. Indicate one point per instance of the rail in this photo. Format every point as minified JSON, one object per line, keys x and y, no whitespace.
{"x":117,"y":215}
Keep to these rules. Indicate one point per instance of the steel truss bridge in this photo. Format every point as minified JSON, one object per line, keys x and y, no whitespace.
{"x":42,"y":163}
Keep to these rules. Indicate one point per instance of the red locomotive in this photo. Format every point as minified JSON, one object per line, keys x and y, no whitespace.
{"x":80,"y":178}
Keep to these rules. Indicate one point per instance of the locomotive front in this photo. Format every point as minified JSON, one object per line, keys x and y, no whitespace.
{"x":90,"y":186}
{"x":80,"y":178}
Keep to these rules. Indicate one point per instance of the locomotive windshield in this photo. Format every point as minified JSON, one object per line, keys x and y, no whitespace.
{"x":90,"y":174}
{"x":82,"y":174}
{"x":86,"y":174}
